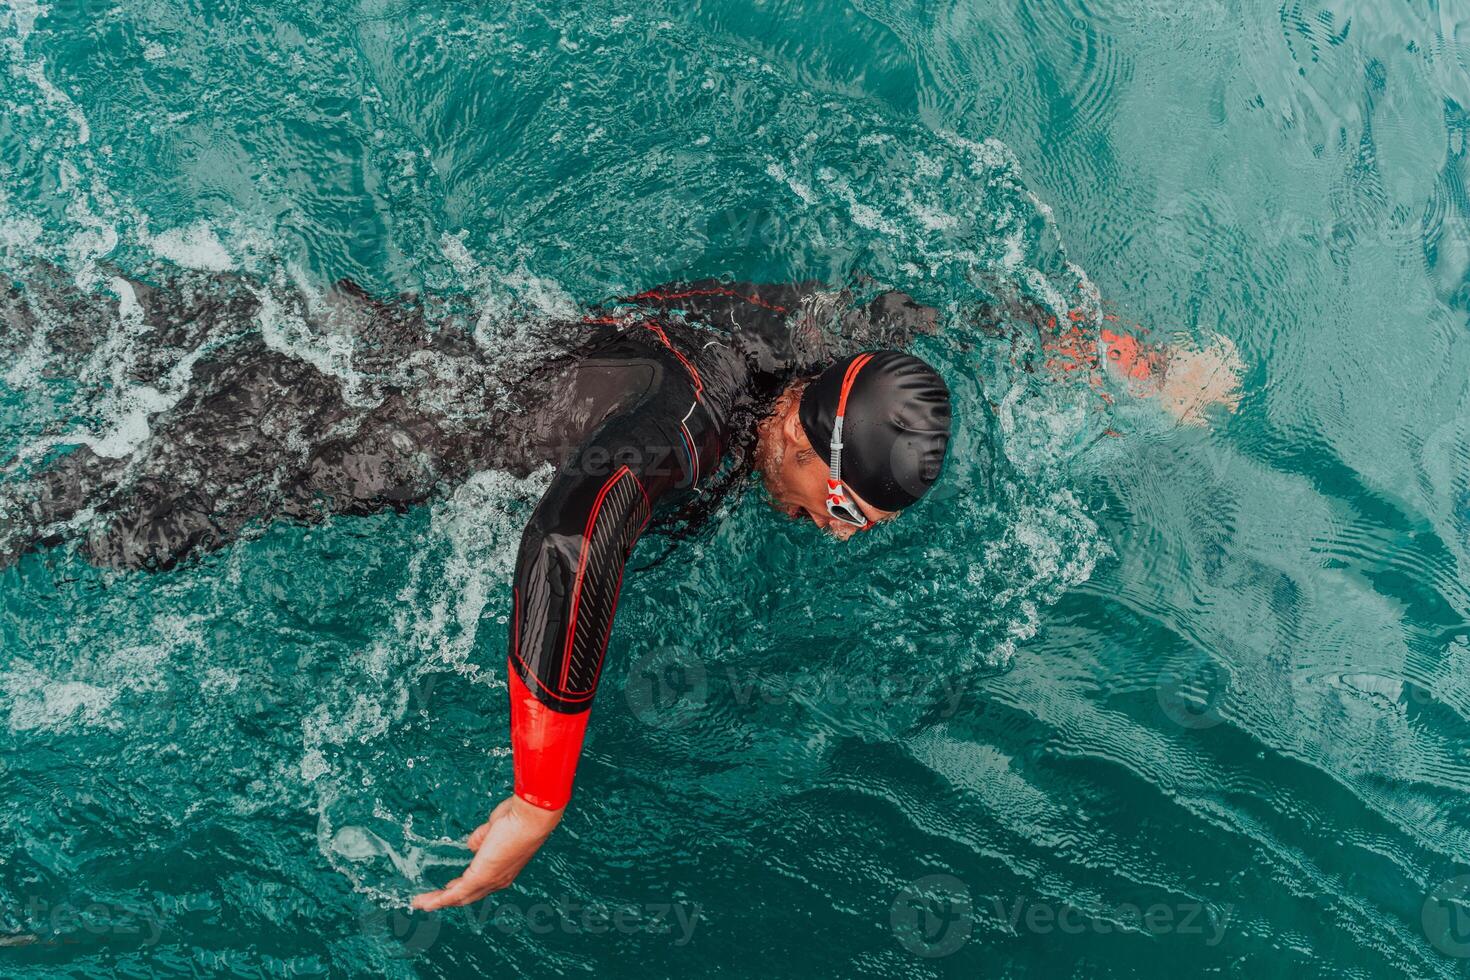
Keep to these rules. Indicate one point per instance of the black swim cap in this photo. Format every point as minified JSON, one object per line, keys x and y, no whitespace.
{"x":895,"y":429}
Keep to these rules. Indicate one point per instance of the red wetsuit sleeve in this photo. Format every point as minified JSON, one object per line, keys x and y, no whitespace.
{"x":546,"y":744}
{"x":568,"y":577}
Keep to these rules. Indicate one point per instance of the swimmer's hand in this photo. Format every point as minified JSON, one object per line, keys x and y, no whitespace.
{"x":503,"y":845}
{"x":1199,"y":377}
{"x":1188,"y":377}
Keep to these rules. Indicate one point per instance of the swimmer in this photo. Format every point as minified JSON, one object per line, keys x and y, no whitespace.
{"x":640,"y":407}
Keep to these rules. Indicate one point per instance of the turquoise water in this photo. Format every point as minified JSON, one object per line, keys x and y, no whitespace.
{"x":1187,"y":699}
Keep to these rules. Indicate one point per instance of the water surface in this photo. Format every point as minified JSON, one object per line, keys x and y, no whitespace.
{"x":1176,"y":700}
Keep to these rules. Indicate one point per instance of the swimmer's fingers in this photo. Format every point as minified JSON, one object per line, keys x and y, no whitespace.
{"x":487,"y":873}
{"x":1200,"y":378}
{"x":469,"y":887}
{"x":446,"y":898}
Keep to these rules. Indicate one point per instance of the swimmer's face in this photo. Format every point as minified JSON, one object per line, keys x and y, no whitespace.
{"x":796,"y":476}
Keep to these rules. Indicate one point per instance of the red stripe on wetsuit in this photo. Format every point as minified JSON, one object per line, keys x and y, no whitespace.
{"x":695,"y":379}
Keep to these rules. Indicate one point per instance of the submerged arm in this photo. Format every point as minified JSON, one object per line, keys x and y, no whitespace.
{"x":1185,"y":377}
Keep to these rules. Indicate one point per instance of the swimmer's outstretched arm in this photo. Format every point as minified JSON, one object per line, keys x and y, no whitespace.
{"x":1188,"y":379}
{"x":568,"y":576}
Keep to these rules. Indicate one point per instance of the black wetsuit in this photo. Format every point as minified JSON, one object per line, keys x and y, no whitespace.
{"x":638,"y":403}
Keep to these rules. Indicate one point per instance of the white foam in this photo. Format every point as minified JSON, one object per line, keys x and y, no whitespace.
{"x":24,"y":14}
{"x":544,"y":295}
{"x":504,"y":294}
{"x":58,"y":705}
{"x":359,"y":844}
{"x":1049,"y":545}
{"x":511,"y":303}
{"x":331,"y":354}
{"x":932,"y":218}
{"x":863,"y":215}
{"x":126,"y":408}
{"x":195,"y":246}
{"x":78,"y":684}
{"x":463,"y":564}
{"x":218,"y":682}
{"x":458,"y":254}
{"x":801,"y":190}
{"x":482,"y":527}
{"x":95,"y":237}
{"x":18,"y":233}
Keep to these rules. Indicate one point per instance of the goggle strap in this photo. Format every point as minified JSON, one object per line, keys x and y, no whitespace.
{"x":835,"y":459}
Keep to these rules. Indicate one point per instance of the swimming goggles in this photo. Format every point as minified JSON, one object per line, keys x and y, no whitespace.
{"x":839,"y":504}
